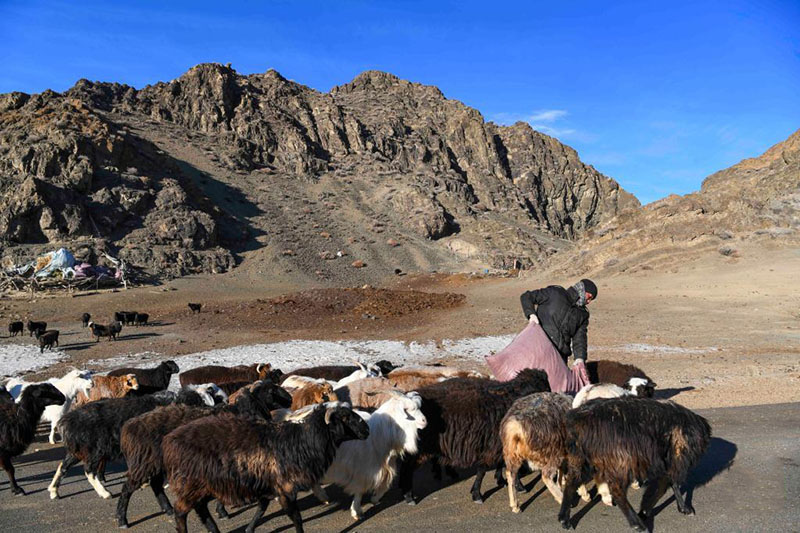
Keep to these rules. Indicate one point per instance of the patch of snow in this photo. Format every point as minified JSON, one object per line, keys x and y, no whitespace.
{"x":17,"y":359}
{"x":651,"y":348}
{"x":295,"y":354}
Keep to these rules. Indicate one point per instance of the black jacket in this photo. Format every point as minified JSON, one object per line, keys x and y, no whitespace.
{"x":562,"y":319}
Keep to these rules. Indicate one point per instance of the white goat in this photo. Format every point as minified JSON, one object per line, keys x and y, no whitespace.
{"x":70,"y":385}
{"x":371,"y":371}
{"x":209,"y":392}
{"x":370,"y":465}
{"x":298,"y":382}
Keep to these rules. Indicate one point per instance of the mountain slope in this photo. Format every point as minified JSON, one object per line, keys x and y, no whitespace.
{"x":215,"y":167}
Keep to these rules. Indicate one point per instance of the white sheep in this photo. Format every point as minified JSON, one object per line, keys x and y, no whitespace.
{"x":370,"y":465}
{"x":70,"y":385}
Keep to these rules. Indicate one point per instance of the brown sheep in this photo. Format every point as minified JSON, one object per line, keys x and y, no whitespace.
{"x":224,"y":374}
{"x":367,"y":393}
{"x":409,"y":378}
{"x":311,"y":394}
{"x":108,"y":387}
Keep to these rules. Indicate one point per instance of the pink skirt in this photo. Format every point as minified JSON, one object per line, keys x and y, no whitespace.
{"x":533,"y":349}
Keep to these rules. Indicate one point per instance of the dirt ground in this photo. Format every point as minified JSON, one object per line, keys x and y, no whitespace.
{"x":716,"y":332}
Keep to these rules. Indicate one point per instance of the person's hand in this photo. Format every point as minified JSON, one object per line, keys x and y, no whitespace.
{"x":581,"y":366}
{"x":533,"y":319}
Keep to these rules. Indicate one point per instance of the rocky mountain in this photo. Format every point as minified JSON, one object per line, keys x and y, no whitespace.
{"x":215,"y":169}
{"x":755,"y":201}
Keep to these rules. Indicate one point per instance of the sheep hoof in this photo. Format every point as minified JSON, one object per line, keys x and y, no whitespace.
{"x":123,"y":526}
{"x":17,"y":491}
{"x":687,"y":510}
{"x":477,"y":499}
{"x":53,"y":494}
{"x":566,"y":524}
{"x":356,"y":516}
{"x":515,"y":510}
{"x":409,"y":499}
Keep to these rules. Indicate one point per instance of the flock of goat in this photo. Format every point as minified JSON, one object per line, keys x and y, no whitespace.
{"x":251,"y":434}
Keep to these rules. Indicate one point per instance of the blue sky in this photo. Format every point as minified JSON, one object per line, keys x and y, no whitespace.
{"x":657,"y":95}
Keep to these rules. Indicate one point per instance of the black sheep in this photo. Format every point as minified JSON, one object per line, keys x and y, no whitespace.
{"x":141,"y":438}
{"x":99,"y":330}
{"x":35,"y":326}
{"x":85,"y":318}
{"x":620,"y":440}
{"x":18,"y":424}
{"x":238,"y":460}
{"x":195,"y":307}
{"x":274,"y":376}
{"x":150,"y":379}
{"x":91,"y":435}
{"x":15,"y":328}
{"x":141,"y":319}
{"x":5,"y":396}
{"x":463,"y":430}
{"x":47,"y":339}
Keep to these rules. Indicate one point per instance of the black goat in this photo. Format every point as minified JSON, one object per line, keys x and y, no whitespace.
{"x":463,"y":430}
{"x":15,"y":328}
{"x":5,"y":396}
{"x":239,"y":460}
{"x":99,"y":330}
{"x":47,"y":339}
{"x":195,"y":307}
{"x":85,"y":318}
{"x":150,"y":379}
{"x":91,"y":435}
{"x":620,"y":440}
{"x":18,"y":424}
{"x":34,"y":326}
{"x":141,"y":319}
{"x":141,"y":439}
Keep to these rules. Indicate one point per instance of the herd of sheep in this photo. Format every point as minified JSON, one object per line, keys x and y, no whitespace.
{"x":252,"y":434}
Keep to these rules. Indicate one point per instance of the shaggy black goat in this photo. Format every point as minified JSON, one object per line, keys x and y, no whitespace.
{"x":337,"y":372}
{"x":239,"y":460}
{"x":15,"y":327}
{"x":620,"y":440}
{"x":195,"y":307}
{"x":223,"y":374}
{"x":141,"y":438}
{"x":150,"y":379}
{"x":18,"y":424}
{"x":141,"y":319}
{"x":230,"y":387}
{"x":91,"y":436}
{"x":85,"y":318}
{"x":625,"y":376}
{"x":463,"y":430}
{"x":34,"y":326}
{"x":47,"y":339}
{"x":99,"y":330}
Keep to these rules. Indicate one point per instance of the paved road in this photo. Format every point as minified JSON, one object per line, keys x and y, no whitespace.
{"x":748,"y":481}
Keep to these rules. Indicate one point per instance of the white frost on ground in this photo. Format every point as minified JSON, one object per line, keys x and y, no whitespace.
{"x":651,"y":348}
{"x":16,"y":359}
{"x":295,"y":354}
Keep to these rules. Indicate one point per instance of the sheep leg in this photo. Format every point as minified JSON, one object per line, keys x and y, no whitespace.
{"x":122,"y":504}
{"x":571,"y":482}
{"x":378,"y":493}
{"x":5,"y":461}
{"x":621,"y":499}
{"x":406,"y":478}
{"x":552,"y":485}
{"x":605,"y":494}
{"x":476,"y":486}
{"x":320,"y":493}
{"x":511,"y":474}
{"x":52,"y":437}
{"x":180,"y":518}
{"x":262,"y":508}
{"x":221,"y":512}
{"x":201,"y":508}
{"x":651,"y":496}
{"x":583,"y":492}
{"x":289,"y":505}
{"x":499,"y":476}
{"x":68,"y":462}
{"x":97,"y":485}
{"x":157,"y":486}
{"x":355,"y":508}
{"x":683,"y":507}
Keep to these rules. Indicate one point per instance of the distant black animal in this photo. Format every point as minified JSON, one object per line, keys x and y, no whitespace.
{"x":99,"y":330}
{"x":195,"y":307}
{"x":115,"y":328}
{"x":33,"y":326}
{"x":127,"y":318}
{"x":150,"y":379}
{"x":85,"y":318}
{"x":141,"y":319}
{"x":15,"y":327}
{"x":47,"y":339}
{"x":620,"y":440}
{"x":18,"y":424}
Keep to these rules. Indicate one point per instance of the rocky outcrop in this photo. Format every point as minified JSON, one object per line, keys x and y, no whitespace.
{"x":757,"y":199}
{"x":107,"y":160}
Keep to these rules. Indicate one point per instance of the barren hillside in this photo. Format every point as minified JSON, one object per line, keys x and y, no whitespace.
{"x":215,"y":169}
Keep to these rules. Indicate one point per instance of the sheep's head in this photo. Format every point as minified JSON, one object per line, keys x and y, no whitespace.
{"x":262,"y":369}
{"x":385,"y":367}
{"x":641,"y":387}
{"x":345,"y":424}
{"x":326,"y":393}
{"x":131,"y":383}
{"x":44,"y":394}
{"x":171,"y":366}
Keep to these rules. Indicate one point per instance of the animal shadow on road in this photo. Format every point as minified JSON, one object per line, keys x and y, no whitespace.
{"x":666,"y":394}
